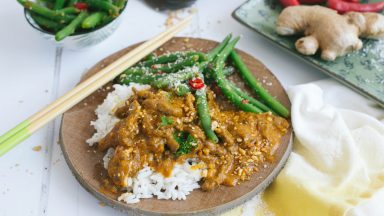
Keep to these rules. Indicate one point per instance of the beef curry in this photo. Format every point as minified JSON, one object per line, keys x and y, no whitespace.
{"x":154,"y":121}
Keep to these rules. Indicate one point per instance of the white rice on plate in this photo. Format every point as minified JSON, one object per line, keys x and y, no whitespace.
{"x":147,"y":183}
{"x":106,"y":119}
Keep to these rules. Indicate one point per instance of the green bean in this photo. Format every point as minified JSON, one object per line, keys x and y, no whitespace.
{"x":224,"y":85}
{"x":93,"y":20}
{"x":236,"y":99}
{"x":160,"y":60}
{"x":149,"y":57}
{"x":59,"y":4}
{"x":208,"y":74}
{"x":145,"y":76}
{"x":45,"y":12}
{"x":120,"y":3}
{"x":171,"y":67}
{"x":182,"y":89}
{"x":136,"y":75}
{"x":226,"y":72}
{"x":215,"y":51}
{"x":170,"y":79}
{"x":71,"y":3}
{"x":178,"y":65}
{"x":201,"y":95}
{"x":136,"y":78}
{"x":46,"y":3}
{"x":211,"y":55}
{"x":69,"y":10}
{"x":46,"y":23}
{"x":171,"y":58}
{"x":71,"y":27}
{"x":257,"y":87}
{"x":246,"y":96}
{"x":204,"y":115}
{"x":103,"y":6}
{"x":107,"y":19}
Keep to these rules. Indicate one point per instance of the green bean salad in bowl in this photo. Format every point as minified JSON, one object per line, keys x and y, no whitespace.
{"x":74,"y":24}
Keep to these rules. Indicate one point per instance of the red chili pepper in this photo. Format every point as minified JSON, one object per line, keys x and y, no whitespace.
{"x":343,"y":7}
{"x":197,"y":80}
{"x":196,"y":83}
{"x":356,"y":1}
{"x":287,"y":3}
{"x":81,"y":5}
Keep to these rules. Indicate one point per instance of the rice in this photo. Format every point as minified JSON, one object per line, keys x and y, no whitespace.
{"x":107,"y":157}
{"x":105,"y":118}
{"x":147,"y":183}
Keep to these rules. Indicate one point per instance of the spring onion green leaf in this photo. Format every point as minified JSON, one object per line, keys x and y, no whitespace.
{"x":166,"y":121}
{"x":186,"y":141}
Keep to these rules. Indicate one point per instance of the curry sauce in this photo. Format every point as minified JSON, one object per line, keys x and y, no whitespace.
{"x":142,"y":138}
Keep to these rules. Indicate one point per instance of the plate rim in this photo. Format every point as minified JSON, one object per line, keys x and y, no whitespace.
{"x":213,"y":210}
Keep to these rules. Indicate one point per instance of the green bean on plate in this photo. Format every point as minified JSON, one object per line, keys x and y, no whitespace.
{"x":184,"y":72}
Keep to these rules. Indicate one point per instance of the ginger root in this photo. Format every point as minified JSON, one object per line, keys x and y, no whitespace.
{"x":326,"y":30}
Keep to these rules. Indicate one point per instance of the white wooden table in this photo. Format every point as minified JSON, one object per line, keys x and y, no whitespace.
{"x":34,"y":73}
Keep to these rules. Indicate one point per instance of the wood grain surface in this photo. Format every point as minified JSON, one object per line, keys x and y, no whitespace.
{"x":86,"y":163}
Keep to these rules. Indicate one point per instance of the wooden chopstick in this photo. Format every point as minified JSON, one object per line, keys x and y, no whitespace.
{"x":71,"y":98}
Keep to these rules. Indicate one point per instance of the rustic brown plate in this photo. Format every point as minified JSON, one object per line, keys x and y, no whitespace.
{"x":85,"y":161}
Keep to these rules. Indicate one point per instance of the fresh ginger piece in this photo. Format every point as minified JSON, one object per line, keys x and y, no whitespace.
{"x":326,"y":30}
{"x":374,"y":27}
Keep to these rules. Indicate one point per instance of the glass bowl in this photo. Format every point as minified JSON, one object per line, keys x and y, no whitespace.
{"x":78,"y":40}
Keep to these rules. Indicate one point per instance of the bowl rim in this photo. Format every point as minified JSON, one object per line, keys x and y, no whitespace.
{"x":27,"y":16}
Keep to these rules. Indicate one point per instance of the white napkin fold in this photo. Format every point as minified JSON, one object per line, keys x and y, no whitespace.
{"x":337,"y":164}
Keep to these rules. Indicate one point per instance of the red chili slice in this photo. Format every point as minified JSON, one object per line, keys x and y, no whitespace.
{"x":196,"y":83}
{"x":197,"y":86}
{"x":81,"y":5}
{"x":197,"y":80}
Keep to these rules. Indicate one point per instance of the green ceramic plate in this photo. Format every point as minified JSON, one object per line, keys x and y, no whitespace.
{"x":362,"y":70}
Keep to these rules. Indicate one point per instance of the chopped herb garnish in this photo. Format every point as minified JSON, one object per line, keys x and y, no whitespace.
{"x":166,"y":121}
{"x":186,"y":142}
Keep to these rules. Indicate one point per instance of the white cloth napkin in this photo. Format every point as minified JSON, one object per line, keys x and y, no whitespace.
{"x":337,"y":164}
